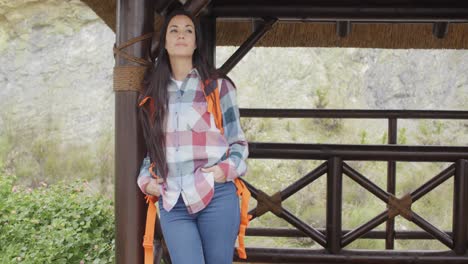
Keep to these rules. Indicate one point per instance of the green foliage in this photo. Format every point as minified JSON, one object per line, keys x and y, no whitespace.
{"x":384,"y":139}
{"x":402,"y":138}
{"x":56,"y":224}
{"x":321,"y":100}
{"x":364,"y":137}
{"x":430,"y":132}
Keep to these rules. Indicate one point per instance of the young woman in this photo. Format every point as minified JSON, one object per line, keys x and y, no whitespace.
{"x":195,"y":161}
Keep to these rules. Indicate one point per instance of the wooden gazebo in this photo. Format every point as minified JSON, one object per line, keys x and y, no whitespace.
{"x":423,"y":24}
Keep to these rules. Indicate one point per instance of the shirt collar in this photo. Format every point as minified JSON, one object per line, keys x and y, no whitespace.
{"x":192,"y":74}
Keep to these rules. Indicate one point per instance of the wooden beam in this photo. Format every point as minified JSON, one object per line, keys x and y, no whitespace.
{"x":208,"y":26}
{"x":134,"y":18}
{"x":357,"y":11}
{"x":196,"y":6}
{"x":247,"y":45}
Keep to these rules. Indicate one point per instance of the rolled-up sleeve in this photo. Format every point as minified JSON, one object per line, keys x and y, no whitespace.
{"x":235,"y":163}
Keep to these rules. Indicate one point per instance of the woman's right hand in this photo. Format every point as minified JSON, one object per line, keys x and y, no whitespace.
{"x":153,"y":187}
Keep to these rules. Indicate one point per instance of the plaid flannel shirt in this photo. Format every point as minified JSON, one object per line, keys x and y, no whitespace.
{"x":193,"y":142}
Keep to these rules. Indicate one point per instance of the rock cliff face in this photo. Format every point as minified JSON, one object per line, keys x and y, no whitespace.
{"x":411,"y":79}
{"x":56,"y":74}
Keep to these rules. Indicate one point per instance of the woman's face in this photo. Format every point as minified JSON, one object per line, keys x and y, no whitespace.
{"x":180,"y":37}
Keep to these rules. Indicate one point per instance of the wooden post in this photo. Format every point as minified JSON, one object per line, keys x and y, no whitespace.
{"x":391,"y":183}
{"x":334,"y":202}
{"x":208,"y":25}
{"x":459,"y":208}
{"x":134,"y":18}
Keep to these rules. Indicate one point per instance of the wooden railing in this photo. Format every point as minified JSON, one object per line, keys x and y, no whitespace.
{"x":333,"y":239}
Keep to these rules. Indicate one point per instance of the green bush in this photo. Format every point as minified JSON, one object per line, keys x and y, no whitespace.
{"x":57,"y":224}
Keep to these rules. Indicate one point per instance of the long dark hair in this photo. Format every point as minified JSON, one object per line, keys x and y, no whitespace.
{"x":155,"y":84}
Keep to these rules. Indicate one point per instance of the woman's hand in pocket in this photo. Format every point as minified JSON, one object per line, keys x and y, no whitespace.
{"x":218,"y":173}
{"x":153,"y":187}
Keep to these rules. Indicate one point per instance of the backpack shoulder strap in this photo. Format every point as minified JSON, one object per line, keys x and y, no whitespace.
{"x":148,"y":104}
{"x":211,"y":90}
{"x":148,"y":239}
{"x":151,"y":215}
{"x":245,"y":217}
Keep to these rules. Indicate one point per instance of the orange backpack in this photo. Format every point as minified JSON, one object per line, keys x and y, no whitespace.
{"x":211,"y":92}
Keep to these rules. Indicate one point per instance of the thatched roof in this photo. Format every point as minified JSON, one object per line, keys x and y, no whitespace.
{"x":389,"y":24}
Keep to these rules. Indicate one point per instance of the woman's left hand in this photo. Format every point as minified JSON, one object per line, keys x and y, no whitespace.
{"x":217,"y":173}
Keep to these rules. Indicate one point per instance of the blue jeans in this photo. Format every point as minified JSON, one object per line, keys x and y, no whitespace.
{"x":206,"y":237}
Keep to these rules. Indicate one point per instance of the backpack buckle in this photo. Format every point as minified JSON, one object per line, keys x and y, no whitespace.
{"x":148,"y":242}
